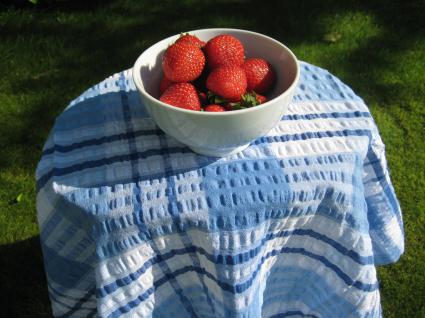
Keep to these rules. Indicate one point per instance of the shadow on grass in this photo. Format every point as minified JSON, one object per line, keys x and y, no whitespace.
{"x":23,"y":283}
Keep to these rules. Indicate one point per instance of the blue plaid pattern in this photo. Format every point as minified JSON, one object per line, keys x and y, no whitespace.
{"x":134,"y":224}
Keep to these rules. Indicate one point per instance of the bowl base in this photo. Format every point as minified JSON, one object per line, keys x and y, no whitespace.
{"x":223,"y":152}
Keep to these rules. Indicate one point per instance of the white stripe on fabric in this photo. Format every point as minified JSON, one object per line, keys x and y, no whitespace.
{"x":320,"y":125}
{"x":327,"y":146}
{"x":146,"y":309}
{"x":242,"y":240}
{"x":153,"y":142}
{"x":237,"y":301}
{"x":318,"y":107}
{"x":344,"y":167}
{"x":239,"y":273}
{"x":154,"y":164}
{"x":393,"y":232}
{"x":285,"y":306}
{"x":372,"y":188}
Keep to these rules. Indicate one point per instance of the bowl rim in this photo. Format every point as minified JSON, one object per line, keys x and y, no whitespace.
{"x":137,"y":78}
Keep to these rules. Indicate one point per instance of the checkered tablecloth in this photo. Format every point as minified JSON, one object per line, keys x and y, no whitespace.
{"x":134,"y":224}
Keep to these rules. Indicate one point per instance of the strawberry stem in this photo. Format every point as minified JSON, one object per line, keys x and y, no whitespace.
{"x":248,"y":100}
{"x":215,"y":99}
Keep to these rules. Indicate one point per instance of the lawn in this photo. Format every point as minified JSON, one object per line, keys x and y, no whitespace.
{"x":49,"y":54}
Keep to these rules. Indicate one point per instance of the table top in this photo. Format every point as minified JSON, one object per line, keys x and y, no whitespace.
{"x":133,"y":223}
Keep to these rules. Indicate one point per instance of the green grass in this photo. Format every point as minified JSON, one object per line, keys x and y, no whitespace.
{"x":50,"y":54}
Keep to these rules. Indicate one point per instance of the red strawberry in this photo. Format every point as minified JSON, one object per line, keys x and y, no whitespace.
{"x":183,"y":62}
{"x":228,"y":82}
{"x":224,"y":50}
{"x":164,"y":84}
{"x":182,"y":95}
{"x":260,"y":98}
{"x":214,"y":108}
{"x":259,"y":74}
{"x":190,"y":39}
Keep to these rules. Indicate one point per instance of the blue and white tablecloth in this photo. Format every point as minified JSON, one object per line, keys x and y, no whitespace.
{"x":134,"y":224}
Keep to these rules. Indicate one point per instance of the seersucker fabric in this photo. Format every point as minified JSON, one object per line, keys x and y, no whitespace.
{"x":134,"y":224}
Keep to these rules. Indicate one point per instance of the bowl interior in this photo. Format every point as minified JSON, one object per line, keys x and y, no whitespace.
{"x":256,"y":45}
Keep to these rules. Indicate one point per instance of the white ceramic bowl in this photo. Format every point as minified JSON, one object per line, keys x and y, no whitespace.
{"x":219,"y":134}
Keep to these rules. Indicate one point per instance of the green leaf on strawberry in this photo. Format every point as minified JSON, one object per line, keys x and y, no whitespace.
{"x":248,"y":100}
{"x":215,"y":99}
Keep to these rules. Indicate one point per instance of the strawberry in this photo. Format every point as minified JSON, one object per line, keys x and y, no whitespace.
{"x":183,"y":62}
{"x":228,"y":82}
{"x":260,"y":98}
{"x":214,"y":108}
{"x":259,"y":74}
{"x":190,"y":39}
{"x":164,"y":84}
{"x":224,"y":50}
{"x":182,"y":95}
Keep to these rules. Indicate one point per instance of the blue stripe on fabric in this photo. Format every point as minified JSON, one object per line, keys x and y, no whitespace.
{"x":187,"y":242}
{"x":71,"y":308}
{"x":92,"y":313}
{"x":123,"y":136}
{"x":104,"y":109}
{"x":131,"y":138}
{"x":51,"y":288}
{"x":362,"y":260}
{"x":249,"y":255}
{"x":385,"y":186}
{"x":50,"y":225}
{"x":56,"y":172}
{"x":101,"y":140}
{"x":170,"y":305}
{"x":56,"y":265}
{"x":313,"y":135}
{"x":200,"y":161}
{"x":137,"y":191}
{"x":226,"y":260}
{"x":77,"y":306}
{"x":171,"y":194}
{"x":173,"y":208}
{"x":293,"y":313}
{"x":234,"y":289}
{"x":354,"y":114}
{"x":282,"y":284}
{"x":273,"y":215}
{"x":222,"y":307}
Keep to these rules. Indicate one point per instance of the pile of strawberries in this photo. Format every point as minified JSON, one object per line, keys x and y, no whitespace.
{"x":213,"y":76}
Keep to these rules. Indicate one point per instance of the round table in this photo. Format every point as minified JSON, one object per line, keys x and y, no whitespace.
{"x":134,"y":224}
